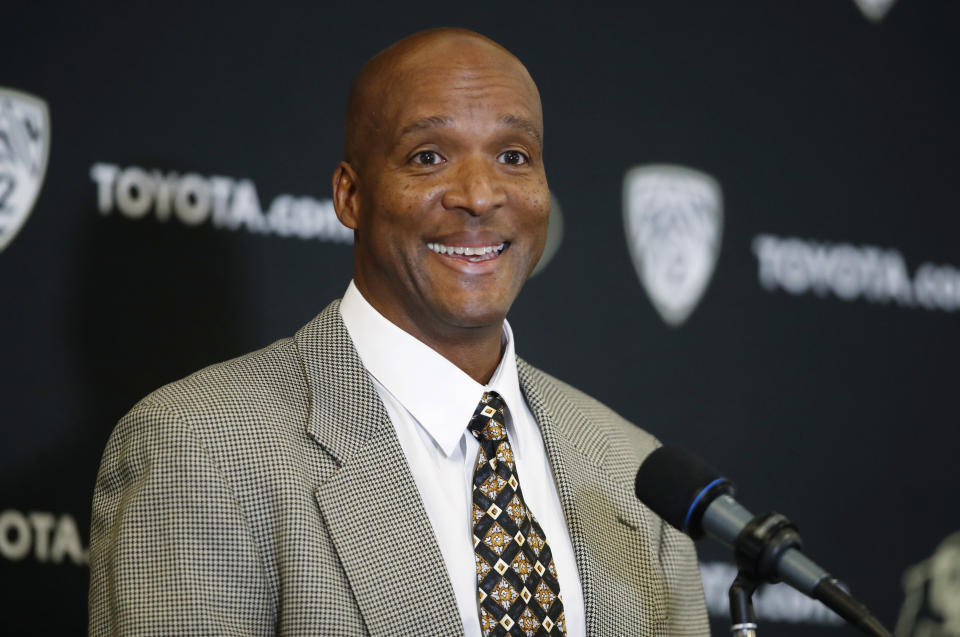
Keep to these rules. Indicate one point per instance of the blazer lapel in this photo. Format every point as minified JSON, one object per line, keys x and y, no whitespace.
{"x":371,"y":505}
{"x":614,"y":540}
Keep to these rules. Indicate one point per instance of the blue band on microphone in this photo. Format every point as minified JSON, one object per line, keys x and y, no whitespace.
{"x":696,"y":500}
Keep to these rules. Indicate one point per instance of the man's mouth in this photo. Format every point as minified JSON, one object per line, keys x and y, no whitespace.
{"x":474,"y":254}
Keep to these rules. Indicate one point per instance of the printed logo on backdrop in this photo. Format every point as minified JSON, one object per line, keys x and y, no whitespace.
{"x":673,"y":220}
{"x":931,"y":607}
{"x":875,"y":10}
{"x":24,"y":148}
{"x":40,"y":535}
{"x":225,"y":203}
{"x":854,"y":272}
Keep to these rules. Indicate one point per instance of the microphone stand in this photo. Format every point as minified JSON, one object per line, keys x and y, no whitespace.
{"x":742,"y":618}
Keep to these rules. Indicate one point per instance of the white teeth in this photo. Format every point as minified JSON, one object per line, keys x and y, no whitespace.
{"x":439,"y":248}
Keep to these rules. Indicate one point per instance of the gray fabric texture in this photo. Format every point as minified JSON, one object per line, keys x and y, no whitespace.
{"x":269,"y":495}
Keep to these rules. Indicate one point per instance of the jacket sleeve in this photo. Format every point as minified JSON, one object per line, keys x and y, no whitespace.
{"x":678,"y":558}
{"x":170,"y":550}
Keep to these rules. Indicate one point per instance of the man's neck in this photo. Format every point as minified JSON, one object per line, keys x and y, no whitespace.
{"x":476,"y":354}
{"x":476,"y":349}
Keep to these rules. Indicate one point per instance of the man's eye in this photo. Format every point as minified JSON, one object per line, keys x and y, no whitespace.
{"x":513,"y":157}
{"x":427,"y":158}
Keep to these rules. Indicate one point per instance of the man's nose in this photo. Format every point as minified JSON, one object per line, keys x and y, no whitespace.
{"x":476,"y":187}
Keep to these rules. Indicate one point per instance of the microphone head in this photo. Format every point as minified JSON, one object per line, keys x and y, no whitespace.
{"x":678,"y":486}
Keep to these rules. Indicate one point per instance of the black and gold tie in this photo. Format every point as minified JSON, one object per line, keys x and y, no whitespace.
{"x":517,"y":588}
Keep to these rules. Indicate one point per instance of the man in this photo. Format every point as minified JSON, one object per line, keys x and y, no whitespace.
{"x":329,"y":484}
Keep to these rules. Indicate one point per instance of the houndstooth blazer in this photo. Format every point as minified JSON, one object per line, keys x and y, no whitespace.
{"x":269,"y":495}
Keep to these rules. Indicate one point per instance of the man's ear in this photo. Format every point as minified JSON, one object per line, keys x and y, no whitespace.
{"x":346,"y":198}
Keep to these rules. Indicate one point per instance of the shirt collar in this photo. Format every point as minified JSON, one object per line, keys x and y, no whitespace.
{"x":440,"y":395}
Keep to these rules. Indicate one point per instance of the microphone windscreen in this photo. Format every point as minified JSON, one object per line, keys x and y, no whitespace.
{"x":677,"y":485}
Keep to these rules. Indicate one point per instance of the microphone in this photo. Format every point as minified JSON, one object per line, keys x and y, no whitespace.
{"x":692,"y":497}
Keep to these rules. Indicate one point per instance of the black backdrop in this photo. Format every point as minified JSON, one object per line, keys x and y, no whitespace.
{"x":818,"y":123}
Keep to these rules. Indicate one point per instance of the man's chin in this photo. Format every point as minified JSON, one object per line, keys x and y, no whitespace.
{"x":476,"y":321}
{"x":474,"y":314}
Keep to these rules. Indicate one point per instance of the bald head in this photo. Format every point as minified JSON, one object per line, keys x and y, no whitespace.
{"x":412,"y":61}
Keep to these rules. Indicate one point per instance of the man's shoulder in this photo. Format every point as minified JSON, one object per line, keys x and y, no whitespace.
{"x":247,"y":380}
{"x":270,"y":380}
{"x":229,"y":409}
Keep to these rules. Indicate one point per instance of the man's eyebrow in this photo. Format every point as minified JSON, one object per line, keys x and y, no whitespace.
{"x":426,"y":123}
{"x":437,"y":121}
{"x":522,"y":124}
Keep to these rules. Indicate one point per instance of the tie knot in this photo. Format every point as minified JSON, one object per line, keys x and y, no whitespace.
{"x":487,"y":422}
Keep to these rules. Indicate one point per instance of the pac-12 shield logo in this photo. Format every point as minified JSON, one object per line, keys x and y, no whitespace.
{"x":673,"y":219}
{"x":24,"y":147}
{"x":875,"y":10}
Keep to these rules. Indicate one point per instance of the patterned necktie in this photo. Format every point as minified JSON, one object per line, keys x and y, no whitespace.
{"x":518,"y":592}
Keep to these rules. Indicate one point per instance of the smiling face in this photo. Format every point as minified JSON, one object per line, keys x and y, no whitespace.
{"x":445,"y":185}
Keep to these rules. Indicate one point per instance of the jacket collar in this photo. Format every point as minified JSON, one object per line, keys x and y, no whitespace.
{"x":344,"y":408}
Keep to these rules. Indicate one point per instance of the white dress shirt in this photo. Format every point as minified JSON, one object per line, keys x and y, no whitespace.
{"x":430,"y":402}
